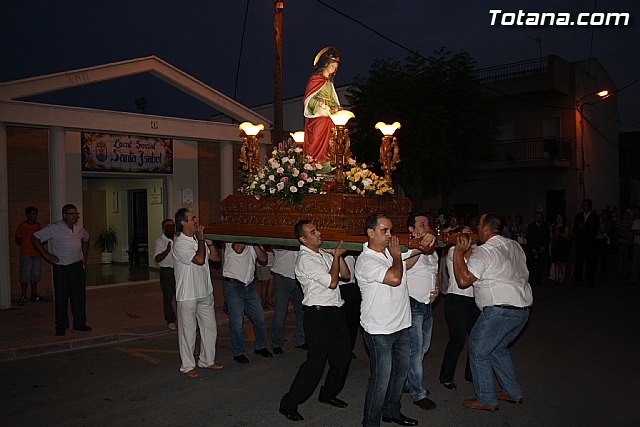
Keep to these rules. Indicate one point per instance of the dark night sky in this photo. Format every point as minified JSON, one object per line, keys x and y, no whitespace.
{"x":203,"y":39}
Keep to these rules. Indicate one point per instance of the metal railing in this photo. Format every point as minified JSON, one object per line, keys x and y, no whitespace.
{"x":531,"y":149}
{"x":513,"y":70}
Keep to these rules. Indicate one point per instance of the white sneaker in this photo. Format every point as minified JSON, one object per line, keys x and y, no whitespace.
{"x":171,"y":326}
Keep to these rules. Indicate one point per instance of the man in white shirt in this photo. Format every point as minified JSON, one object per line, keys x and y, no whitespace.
{"x":422,"y":272}
{"x":67,"y":250}
{"x":498,"y":272}
{"x":285,"y":287}
{"x":318,"y":271}
{"x":163,"y":256}
{"x":241,"y":297}
{"x":194,"y":293}
{"x":461,"y":313}
{"x":386,"y":319}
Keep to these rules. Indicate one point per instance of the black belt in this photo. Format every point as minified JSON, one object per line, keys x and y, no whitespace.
{"x":321,"y":307}
{"x":511,"y":307}
{"x":229,"y":279}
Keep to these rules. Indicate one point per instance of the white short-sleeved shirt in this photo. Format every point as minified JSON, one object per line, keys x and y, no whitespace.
{"x":239,"y":266}
{"x":453,"y":285}
{"x":500,"y":266}
{"x":284,"y":262}
{"x":421,"y":278}
{"x":192,"y":281}
{"x":63,"y":242}
{"x":385,"y":309}
{"x":312,"y":271}
{"x":161,"y":246}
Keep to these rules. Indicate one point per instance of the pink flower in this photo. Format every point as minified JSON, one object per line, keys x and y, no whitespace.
{"x":284,"y":179}
{"x":304,"y":175}
{"x":300,"y":183}
{"x":293,"y":189}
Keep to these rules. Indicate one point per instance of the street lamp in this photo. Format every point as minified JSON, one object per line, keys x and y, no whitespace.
{"x":602,"y":94}
{"x":249,"y":151}
{"x":339,"y":151}
{"x":389,"y":150}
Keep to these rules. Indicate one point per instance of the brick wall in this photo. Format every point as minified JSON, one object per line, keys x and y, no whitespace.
{"x":28,"y":170}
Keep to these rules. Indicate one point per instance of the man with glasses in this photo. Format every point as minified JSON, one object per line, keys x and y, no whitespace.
{"x":67,"y":250}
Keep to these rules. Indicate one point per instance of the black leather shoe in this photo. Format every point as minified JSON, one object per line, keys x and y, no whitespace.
{"x":401,"y":420}
{"x":241,"y":359}
{"x":292,"y":415}
{"x":59,"y":332}
{"x":425,"y":403}
{"x":334,"y":401}
{"x":277,"y":350}
{"x":450,"y":385}
{"x":83,"y":328}
{"x":263,"y":352}
{"x":304,"y":346}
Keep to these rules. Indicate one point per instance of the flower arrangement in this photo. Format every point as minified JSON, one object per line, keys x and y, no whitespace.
{"x":288,"y":174}
{"x":359,"y":179}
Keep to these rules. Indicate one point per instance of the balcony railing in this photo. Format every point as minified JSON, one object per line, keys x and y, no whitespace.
{"x":531,"y":149}
{"x":513,"y":71}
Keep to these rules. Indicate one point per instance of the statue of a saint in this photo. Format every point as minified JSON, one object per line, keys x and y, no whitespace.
{"x":320,"y":100}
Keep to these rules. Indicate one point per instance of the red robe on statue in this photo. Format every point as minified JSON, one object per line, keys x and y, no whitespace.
{"x":317,"y":130}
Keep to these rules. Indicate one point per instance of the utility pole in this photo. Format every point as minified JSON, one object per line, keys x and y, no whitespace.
{"x":277,"y":134}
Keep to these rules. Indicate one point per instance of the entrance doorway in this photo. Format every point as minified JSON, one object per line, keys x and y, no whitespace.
{"x":138,"y":227}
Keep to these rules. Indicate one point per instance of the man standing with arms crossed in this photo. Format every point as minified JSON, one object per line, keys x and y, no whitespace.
{"x":164,"y":258}
{"x":386,"y":319}
{"x":68,"y":249}
{"x":325,"y":326}
{"x":498,"y":272}
{"x":194,"y":293}
{"x":422,"y":272}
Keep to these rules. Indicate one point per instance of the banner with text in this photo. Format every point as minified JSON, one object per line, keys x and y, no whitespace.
{"x":103,"y":152}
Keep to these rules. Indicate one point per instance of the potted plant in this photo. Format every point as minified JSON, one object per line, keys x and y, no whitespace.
{"x":107,"y":241}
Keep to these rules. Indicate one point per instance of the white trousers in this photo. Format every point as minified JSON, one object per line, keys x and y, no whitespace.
{"x":191,"y":314}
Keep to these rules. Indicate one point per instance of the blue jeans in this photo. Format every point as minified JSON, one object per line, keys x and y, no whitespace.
{"x":241,"y":299}
{"x":283,"y":289}
{"x":389,"y":359}
{"x":420,"y":334}
{"x":494,"y":330}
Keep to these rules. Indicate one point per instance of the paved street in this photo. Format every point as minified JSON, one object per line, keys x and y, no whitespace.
{"x":577,"y":361}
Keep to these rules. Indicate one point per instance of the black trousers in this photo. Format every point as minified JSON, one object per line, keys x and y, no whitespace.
{"x":461,"y":313}
{"x":350,"y":293}
{"x":69,"y":283}
{"x":586,"y":259}
{"x":168,"y":285}
{"x":328,"y":339}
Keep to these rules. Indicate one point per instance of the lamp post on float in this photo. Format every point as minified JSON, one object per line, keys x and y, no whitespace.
{"x":339,"y":151}
{"x":249,"y":151}
{"x":389,"y":150}
{"x":298,"y":137}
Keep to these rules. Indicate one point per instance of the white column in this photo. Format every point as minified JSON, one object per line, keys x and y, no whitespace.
{"x":57,"y":172}
{"x":5,"y":275}
{"x":226,"y":169}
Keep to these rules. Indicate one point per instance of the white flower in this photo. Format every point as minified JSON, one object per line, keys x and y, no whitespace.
{"x":292,"y":161}
{"x":364,"y":166}
{"x":353,"y":187}
{"x":280,"y":186}
{"x":308,"y":166}
{"x":300,"y":183}
{"x":272,"y":190}
{"x":309,"y":179}
{"x":279,"y":170}
{"x":261,"y":174}
{"x":298,"y":150}
{"x":272,"y":177}
{"x":295,"y":172}
{"x":285,"y":159}
{"x":367,"y":182}
{"x":319,"y":166}
{"x":293,"y":189}
{"x":253,"y":185}
{"x":313,"y":190}
{"x":263,"y":187}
